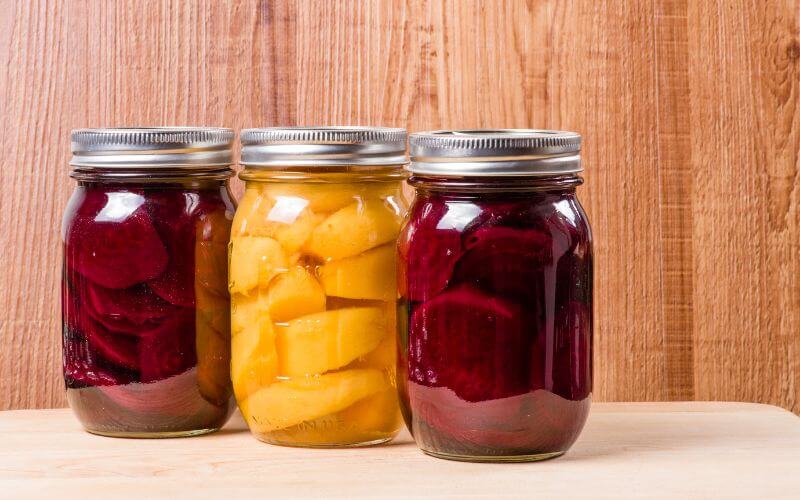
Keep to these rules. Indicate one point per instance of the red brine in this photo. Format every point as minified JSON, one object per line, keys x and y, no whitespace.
{"x":495,"y":358}
{"x":146,"y":318}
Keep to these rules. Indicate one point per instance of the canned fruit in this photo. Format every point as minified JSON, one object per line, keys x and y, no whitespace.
{"x":354,"y":229}
{"x":293,"y":294}
{"x":321,"y":342}
{"x":254,"y":360}
{"x":317,"y":368}
{"x":370,"y":275}
{"x":304,"y":399}
{"x":255,"y":261}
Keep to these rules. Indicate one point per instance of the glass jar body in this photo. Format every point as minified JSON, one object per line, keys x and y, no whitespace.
{"x":146,"y":311}
{"x":495,"y":306}
{"x":313,"y":291}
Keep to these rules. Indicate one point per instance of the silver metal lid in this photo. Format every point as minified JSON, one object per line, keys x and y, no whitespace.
{"x":501,"y":152}
{"x":156,"y":147}
{"x":323,"y":146}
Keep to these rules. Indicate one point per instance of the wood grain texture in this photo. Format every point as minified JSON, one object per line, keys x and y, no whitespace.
{"x":689,"y":110}
{"x":680,"y":450}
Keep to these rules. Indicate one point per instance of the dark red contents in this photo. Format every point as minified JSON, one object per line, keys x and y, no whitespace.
{"x":498,"y":308}
{"x":129,"y":306}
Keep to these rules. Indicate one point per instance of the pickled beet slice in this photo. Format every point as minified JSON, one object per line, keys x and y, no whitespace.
{"x":168,"y":349}
{"x":130,"y":311}
{"x":82,"y":367}
{"x":506,"y":261}
{"x":81,"y":373}
{"x":431,"y":255}
{"x":173,"y":217}
{"x":112,"y":240}
{"x":471,"y":342}
{"x":116,"y":349}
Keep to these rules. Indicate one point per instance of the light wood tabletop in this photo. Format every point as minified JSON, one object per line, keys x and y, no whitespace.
{"x":674,"y":450}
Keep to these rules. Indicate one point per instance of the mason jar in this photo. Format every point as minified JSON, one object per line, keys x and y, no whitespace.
{"x":313,"y":286}
{"x":495,"y":283}
{"x":145,"y":304}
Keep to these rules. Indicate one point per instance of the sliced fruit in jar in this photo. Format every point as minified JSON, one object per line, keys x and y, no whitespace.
{"x":324,"y":341}
{"x":379,"y":413}
{"x":254,"y":262}
{"x":211,"y":267}
{"x":213,"y":363}
{"x":284,"y":218}
{"x":252,"y":206}
{"x":383,"y":357}
{"x":354,"y":229}
{"x":291,"y":402}
{"x":245,"y":311}
{"x":320,"y":197}
{"x":293,"y":294}
{"x":254,"y":363}
{"x":370,"y":275}
{"x":214,"y":310}
{"x":371,"y":419}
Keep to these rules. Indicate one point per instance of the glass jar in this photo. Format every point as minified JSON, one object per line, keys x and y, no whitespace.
{"x":313,"y":288}
{"x":495,"y":283}
{"x":145,"y":305}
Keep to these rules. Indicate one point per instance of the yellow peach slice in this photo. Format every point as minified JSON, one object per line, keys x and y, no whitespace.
{"x":321,"y":197}
{"x":374,"y":418}
{"x":245,"y":311}
{"x":286,"y":219}
{"x":254,"y":363}
{"x":328,"y":340}
{"x":254,"y":262}
{"x":355,"y":228}
{"x":213,"y":363}
{"x":291,"y":402}
{"x":249,"y":207}
{"x":294,"y":293}
{"x":370,"y":275}
{"x":383,"y":357}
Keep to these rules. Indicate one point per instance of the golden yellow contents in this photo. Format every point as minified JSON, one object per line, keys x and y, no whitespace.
{"x":321,"y":342}
{"x":371,"y":275}
{"x":312,"y":283}
{"x":292,"y":402}
{"x":254,"y":262}
{"x":294,"y":294}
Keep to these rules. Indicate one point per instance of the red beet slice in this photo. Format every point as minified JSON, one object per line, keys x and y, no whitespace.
{"x":128,"y":311}
{"x":473,"y":343}
{"x":428,"y":254}
{"x":506,"y":261}
{"x":82,"y":367}
{"x":119,"y":350}
{"x":168,"y":349}
{"x":173,"y":214}
{"x":111,"y":240}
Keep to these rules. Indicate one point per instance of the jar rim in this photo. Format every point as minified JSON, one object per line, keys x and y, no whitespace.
{"x":275,"y":148}
{"x":153,"y":148}
{"x":495,"y":153}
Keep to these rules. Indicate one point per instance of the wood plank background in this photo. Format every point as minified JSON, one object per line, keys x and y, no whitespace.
{"x":689,"y":110}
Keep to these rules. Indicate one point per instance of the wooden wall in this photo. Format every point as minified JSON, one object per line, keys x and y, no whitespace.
{"x":689,"y":111}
